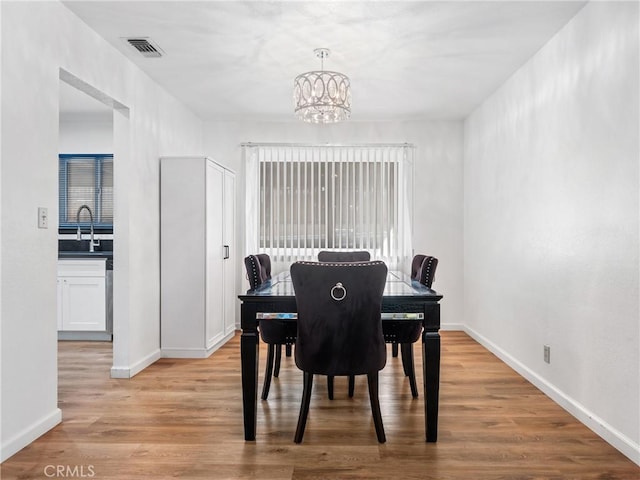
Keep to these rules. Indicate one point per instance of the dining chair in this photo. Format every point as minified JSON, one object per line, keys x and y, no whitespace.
{"x":275,"y":333}
{"x":343,"y":256}
{"x":339,"y":327}
{"x":423,"y":269}
{"x":349,"y":256}
{"x":426,"y":273}
{"x":258,"y":269}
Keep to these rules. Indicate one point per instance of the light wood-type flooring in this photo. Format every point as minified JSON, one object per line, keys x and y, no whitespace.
{"x":183,"y":419}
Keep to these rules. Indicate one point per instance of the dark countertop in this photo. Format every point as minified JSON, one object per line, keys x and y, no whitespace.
{"x":68,"y":249}
{"x":85,"y":254}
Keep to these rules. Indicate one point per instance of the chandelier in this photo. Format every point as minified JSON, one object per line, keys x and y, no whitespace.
{"x":322,"y":96}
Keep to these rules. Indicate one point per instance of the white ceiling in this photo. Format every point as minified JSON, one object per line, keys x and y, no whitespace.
{"x":231,"y":60}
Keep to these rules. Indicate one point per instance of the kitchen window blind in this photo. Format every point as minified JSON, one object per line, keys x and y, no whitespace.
{"x":86,"y":180}
{"x":308,"y":198}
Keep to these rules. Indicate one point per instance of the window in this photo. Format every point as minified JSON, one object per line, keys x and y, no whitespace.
{"x":86,"y":180}
{"x":312,"y":198}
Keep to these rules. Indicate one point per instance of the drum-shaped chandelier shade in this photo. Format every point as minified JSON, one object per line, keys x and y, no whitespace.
{"x":322,"y":96}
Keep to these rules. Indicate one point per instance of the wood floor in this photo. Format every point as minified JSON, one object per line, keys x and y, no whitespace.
{"x":183,"y":419}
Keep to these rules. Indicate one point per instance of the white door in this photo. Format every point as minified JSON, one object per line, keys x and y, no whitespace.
{"x":214,"y":274}
{"x":231,"y":263}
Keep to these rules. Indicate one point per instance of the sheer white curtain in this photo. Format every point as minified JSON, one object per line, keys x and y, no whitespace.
{"x":305,"y":198}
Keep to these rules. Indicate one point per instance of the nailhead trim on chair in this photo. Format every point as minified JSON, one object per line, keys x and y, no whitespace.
{"x":426,"y":275}
{"x":343,"y":264}
{"x":254,"y":272}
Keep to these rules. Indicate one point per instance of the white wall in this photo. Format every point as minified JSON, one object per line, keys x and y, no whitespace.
{"x":551,"y":221}
{"x":82,"y":134}
{"x":437,"y":172}
{"x":38,"y":39}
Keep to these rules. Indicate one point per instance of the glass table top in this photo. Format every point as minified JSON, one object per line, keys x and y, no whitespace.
{"x":398,"y":285}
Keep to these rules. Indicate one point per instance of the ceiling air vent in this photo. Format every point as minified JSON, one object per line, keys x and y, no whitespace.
{"x":145,"y":46}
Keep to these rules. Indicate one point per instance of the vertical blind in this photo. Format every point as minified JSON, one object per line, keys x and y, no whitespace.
{"x":85,"y":180}
{"x":307,"y":198}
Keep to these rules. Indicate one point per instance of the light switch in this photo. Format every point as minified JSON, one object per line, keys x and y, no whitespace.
{"x":43,"y":217}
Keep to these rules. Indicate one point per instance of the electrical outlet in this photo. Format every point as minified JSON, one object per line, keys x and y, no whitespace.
{"x":43,"y":217}
{"x":547,"y":354}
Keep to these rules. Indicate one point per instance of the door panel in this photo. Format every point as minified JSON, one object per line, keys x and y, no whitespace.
{"x":214,"y":329}
{"x":231,"y":263}
{"x":84,"y":304}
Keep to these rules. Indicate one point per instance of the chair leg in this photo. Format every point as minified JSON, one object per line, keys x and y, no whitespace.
{"x":330,"y":386}
{"x":304,"y":406}
{"x":405,"y":360}
{"x":276,"y":367}
{"x":352,"y":385}
{"x":267,"y":372}
{"x":394,"y":349}
{"x":375,"y":406}
{"x":288,"y":349}
{"x":409,"y":367}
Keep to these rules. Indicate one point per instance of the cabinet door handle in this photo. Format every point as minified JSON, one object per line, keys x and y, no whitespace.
{"x":226,"y":252}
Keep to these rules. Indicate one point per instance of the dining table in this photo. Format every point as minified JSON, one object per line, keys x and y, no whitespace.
{"x":403,"y":299}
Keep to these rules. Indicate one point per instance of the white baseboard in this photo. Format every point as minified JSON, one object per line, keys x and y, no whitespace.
{"x":608,"y":433}
{"x":28,"y":435}
{"x":184,"y":353}
{"x":452,"y":327}
{"x":197,"y":352}
{"x":132,"y":370}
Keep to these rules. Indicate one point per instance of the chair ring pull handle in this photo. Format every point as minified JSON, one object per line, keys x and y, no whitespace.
{"x":335,"y":291}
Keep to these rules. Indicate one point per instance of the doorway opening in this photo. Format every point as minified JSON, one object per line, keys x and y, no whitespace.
{"x":93,"y":138}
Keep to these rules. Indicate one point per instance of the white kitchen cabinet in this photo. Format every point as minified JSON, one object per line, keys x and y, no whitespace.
{"x":82,"y":295}
{"x":197,"y":256}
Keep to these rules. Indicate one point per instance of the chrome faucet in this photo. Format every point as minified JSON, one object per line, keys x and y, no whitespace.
{"x":92,"y":243}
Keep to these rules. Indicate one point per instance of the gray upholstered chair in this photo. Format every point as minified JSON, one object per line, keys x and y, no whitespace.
{"x":258,"y":270}
{"x":339,"y":327}
{"x":347,"y":256}
{"x":275,"y":333}
{"x":423,"y":269}
{"x":343,"y":256}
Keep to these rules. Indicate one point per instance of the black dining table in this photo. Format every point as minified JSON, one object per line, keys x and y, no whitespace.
{"x":403,"y":300}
